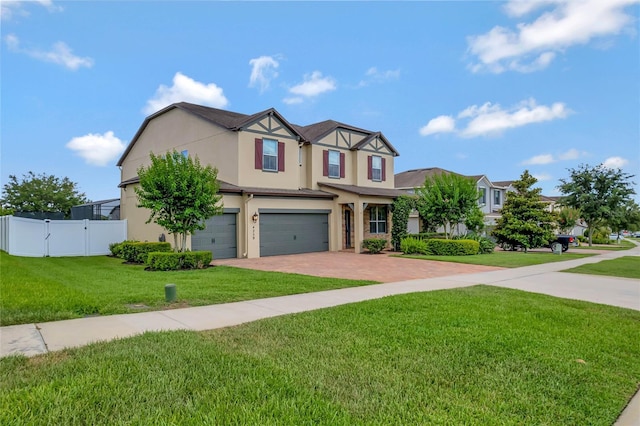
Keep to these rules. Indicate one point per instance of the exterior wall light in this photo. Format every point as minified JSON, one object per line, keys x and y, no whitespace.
{"x":255,"y":217}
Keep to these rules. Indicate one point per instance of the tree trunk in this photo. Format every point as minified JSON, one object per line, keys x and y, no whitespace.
{"x":175,"y":242}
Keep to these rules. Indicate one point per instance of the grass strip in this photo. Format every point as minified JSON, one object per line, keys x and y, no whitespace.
{"x":505,"y":259}
{"x":625,"y":267}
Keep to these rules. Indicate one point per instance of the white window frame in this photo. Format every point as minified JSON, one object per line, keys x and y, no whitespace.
{"x":376,"y":169}
{"x":497,"y":198}
{"x":483,"y":197}
{"x":334,"y":172}
{"x":271,"y":157}
{"x":375,"y":220}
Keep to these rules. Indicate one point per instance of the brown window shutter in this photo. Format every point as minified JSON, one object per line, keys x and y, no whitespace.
{"x":384,"y":169}
{"x":369,"y":167}
{"x":258,"y":154}
{"x":281,"y":156}
{"x":342,"y":164}
{"x":325,"y":162}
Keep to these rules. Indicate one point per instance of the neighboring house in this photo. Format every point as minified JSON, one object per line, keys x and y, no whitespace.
{"x":552,"y":205}
{"x":491,"y":199}
{"x":286,"y":188}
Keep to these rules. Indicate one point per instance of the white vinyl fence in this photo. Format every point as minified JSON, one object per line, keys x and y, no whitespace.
{"x":36,"y":238}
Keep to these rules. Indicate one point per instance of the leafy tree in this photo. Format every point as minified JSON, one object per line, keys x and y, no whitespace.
{"x":401,"y":209}
{"x":525,"y":220}
{"x":626,"y":217}
{"x":567,"y":219}
{"x":598,"y":192}
{"x":180,"y":193}
{"x":447,"y":199}
{"x":41,"y":193}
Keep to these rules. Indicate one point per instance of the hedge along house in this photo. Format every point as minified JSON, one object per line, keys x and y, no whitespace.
{"x":286,"y":189}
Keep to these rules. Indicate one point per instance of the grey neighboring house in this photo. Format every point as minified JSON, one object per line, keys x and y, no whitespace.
{"x":490,"y":202}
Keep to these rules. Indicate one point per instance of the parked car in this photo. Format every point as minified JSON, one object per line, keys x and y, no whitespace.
{"x":615,"y":236}
{"x":636,"y":234}
{"x":563,"y":241}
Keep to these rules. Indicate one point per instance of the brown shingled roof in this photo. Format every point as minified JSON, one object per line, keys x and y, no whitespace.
{"x":365,"y":190}
{"x":415,"y":178}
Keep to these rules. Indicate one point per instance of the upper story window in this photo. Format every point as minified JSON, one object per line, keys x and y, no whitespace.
{"x":334,"y":164}
{"x":483,"y":196}
{"x":376,"y":168}
{"x":269,"y":155}
{"x":496,"y":197}
{"x":378,"y":220}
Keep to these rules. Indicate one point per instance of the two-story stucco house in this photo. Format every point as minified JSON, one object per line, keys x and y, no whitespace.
{"x":492,"y":194}
{"x":286,"y":188}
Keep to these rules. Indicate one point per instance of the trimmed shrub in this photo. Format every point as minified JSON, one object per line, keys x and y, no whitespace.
{"x":374,"y":245}
{"x":439,"y":247}
{"x":413,"y":246}
{"x":116,"y":248}
{"x":171,"y":261}
{"x":137,"y":252}
{"x":486,"y":244}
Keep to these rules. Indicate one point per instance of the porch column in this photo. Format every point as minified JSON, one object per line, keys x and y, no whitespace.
{"x":358,"y":224}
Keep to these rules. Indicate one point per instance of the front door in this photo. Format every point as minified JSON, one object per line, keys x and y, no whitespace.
{"x":347,"y":228}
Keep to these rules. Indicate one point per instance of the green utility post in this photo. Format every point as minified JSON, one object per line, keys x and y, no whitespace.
{"x":170,"y":292}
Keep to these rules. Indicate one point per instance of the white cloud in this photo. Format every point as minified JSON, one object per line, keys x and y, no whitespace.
{"x":262,"y":72}
{"x":540,"y":159}
{"x":571,"y":154}
{"x":441,"y":124}
{"x":96,"y":149}
{"x":542,"y":177}
{"x":293,"y":100}
{"x":491,"y":119}
{"x":11,"y":8}
{"x":373,"y":75}
{"x":615,"y":162}
{"x":495,"y":120}
{"x":60,"y":53}
{"x":186,"y":89}
{"x":561,"y":24}
{"x":314,"y":84}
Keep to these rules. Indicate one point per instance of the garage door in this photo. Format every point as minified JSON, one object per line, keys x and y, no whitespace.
{"x":219,"y":237}
{"x":292,"y":233}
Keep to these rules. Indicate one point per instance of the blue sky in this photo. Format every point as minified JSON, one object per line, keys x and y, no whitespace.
{"x":488,"y":88}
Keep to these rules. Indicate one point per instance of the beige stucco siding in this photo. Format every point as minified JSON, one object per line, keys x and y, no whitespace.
{"x":176,"y":129}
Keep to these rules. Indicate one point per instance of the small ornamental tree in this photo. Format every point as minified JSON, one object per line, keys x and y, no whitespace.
{"x":181,"y":194}
{"x":447,"y":199}
{"x":401,"y":209}
{"x":599,"y":192}
{"x":475,"y":221}
{"x":525,"y":220}
{"x":567,"y":219}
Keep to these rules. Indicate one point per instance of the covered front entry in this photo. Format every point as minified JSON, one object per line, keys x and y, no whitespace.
{"x":293,"y":232}
{"x":219,"y":237}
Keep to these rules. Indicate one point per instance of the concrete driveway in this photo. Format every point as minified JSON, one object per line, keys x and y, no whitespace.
{"x":375,"y":267}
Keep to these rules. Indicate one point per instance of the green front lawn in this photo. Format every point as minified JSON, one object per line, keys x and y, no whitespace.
{"x":505,"y":259}
{"x":56,"y":288}
{"x":478,"y":355}
{"x":626,"y":267}
{"x":623,"y":245}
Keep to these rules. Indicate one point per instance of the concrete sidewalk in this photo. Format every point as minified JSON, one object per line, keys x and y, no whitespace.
{"x":34,"y":339}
